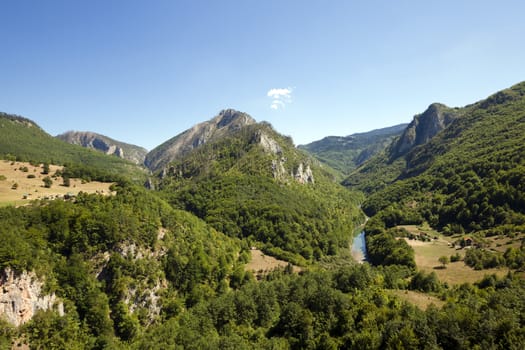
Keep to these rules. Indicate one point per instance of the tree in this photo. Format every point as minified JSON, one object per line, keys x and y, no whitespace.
{"x":67,"y":181}
{"x":443,"y":260}
{"x":45,"y":168}
{"x":47,"y":182}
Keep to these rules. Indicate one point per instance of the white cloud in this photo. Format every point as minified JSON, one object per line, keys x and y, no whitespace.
{"x":279,"y":92}
{"x":280,"y":97}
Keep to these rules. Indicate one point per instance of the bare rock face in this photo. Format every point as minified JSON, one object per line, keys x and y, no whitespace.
{"x":424,"y":127}
{"x":105,"y":144}
{"x":268,"y":143}
{"x":21,"y":296}
{"x":304,"y":175}
{"x":226,"y":121}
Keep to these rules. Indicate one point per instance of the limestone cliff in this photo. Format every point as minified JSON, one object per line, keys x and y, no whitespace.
{"x":423,"y":127}
{"x":21,"y":296}
{"x":105,"y":144}
{"x":302,"y":174}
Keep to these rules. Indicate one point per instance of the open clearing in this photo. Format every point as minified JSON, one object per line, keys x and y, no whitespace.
{"x":261,"y":263}
{"x":28,"y":189}
{"x":428,"y":253}
{"x":421,"y":300}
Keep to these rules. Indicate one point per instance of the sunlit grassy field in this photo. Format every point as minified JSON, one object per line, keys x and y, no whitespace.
{"x":428,"y":253}
{"x":28,"y":189}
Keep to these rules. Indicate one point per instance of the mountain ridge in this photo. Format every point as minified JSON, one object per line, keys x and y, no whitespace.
{"x":179,"y":145}
{"x":105,"y":144}
{"x":345,"y":153}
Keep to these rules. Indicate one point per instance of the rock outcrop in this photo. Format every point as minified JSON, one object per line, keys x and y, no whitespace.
{"x":268,"y":143}
{"x":21,"y":296}
{"x":423,"y":127}
{"x":105,"y":144}
{"x":304,"y":174}
{"x":226,"y":121}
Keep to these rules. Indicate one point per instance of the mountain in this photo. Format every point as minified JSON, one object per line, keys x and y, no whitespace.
{"x":226,"y":121}
{"x":467,"y":177}
{"x":424,"y":127}
{"x":248,"y":181}
{"x":106,"y":145}
{"x":345,"y":153}
{"x":130,"y":271}
{"x":24,"y":140}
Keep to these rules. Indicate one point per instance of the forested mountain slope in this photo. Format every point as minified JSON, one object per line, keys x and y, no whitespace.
{"x":24,"y":140}
{"x":253,"y":183}
{"x":467,"y":178}
{"x":345,"y":153}
{"x":130,"y":271}
{"x":472,"y":173}
{"x":116,"y":264}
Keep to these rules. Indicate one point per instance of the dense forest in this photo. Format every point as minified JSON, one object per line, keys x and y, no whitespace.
{"x":165,"y":267}
{"x":234,"y":185}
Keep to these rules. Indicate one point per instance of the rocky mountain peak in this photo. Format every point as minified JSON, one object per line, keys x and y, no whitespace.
{"x":232,"y":119}
{"x":226,"y":121}
{"x":423,"y":127}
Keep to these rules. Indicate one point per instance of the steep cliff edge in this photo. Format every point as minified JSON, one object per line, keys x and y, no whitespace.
{"x":423,"y":127}
{"x":21,"y":297}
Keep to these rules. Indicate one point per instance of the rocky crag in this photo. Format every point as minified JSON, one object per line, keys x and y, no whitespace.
{"x":21,"y":297}
{"x":106,"y":145}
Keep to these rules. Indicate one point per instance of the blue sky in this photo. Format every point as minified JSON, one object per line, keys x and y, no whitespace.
{"x":144,"y":71}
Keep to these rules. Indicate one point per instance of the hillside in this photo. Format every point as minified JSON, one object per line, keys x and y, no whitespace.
{"x":105,"y":145}
{"x":21,"y":183}
{"x":346,"y":153}
{"x":468,"y":178}
{"x":226,"y":121}
{"x":24,"y":140}
{"x":134,"y":271}
{"x":251,"y":182}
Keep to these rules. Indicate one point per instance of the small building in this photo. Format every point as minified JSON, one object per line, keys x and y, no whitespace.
{"x":467,"y":242}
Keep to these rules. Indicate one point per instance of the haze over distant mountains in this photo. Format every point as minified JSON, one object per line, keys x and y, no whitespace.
{"x":345,"y":153}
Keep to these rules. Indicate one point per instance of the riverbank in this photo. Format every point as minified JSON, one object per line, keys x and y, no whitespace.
{"x":358,"y":249}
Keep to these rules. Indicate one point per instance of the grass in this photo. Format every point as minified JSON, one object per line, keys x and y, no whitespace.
{"x":28,"y":189}
{"x":260,"y":263}
{"x":419,"y":299}
{"x":428,"y":253}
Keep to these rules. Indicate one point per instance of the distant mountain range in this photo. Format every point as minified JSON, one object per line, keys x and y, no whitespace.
{"x":345,"y":153}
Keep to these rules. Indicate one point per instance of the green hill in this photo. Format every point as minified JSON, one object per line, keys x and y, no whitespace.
{"x":24,"y":140}
{"x":346,"y":153}
{"x":253,"y":183}
{"x":467,"y":178}
{"x":130,"y":271}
